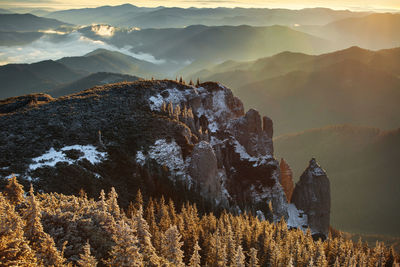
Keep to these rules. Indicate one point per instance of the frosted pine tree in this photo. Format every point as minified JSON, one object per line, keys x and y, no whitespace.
{"x":171,"y":246}
{"x":86,"y":259}
{"x":147,"y":249}
{"x":195,"y":260}
{"x":239,"y":258}
{"x":216,"y":255}
{"x":14,"y":192}
{"x":41,"y":242}
{"x":14,"y":248}
{"x":125,"y":252}
{"x":253,"y":261}
{"x":112,"y":202}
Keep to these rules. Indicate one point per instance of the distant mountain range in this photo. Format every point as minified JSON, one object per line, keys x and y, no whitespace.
{"x":216,"y":43}
{"x":363,"y":168}
{"x":375,"y":31}
{"x":69,"y":75}
{"x":27,"y":23}
{"x":163,"y":17}
{"x":301,"y":91}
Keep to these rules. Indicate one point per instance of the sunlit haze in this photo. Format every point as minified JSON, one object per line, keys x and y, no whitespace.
{"x":292,"y":4}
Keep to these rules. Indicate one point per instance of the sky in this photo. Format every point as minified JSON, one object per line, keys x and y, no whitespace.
{"x":293,"y":4}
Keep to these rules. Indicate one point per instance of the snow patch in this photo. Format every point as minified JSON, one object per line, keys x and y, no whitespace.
{"x":260,"y":215}
{"x":318,"y":171}
{"x":140,"y":158}
{"x":297,"y":218}
{"x":52,"y":157}
{"x":239,"y":149}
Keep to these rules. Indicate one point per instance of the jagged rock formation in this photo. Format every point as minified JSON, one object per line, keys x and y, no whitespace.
{"x":286,"y":179}
{"x":312,"y":195}
{"x":165,"y":137}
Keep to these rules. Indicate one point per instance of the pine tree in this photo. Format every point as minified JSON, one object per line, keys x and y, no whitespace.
{"x":14,"y":248}
{"x":253,"y":262}
{"x":112,"y":202}
{"x":198,"y":82}
{"x":40,"y":242}
{"x":239,"y":258}
{"x":146,"y":248}
{"x":171,"y":246}
{"x":191,"y":82}
{"x":216,"y":255}
{"x":125,"y":252}
{"x":86,"y":259}
{"x":14,"y":192}
{"x":195,"y":260}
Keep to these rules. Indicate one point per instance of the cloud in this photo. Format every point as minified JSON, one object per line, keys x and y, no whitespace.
{"x":57,"y":46}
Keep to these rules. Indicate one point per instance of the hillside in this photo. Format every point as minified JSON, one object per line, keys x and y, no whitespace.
{"x":72,"y":74}
{"x":20,"y":79}
{"x":102,"y":60}
{"x":92,"y":80}
{"x":27,"y":22}
{"x":363,"y":167}
{"x":302,"y":92}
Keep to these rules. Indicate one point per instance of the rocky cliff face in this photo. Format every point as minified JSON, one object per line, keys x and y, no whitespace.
{"x":312,"y":195}
{"x":164,"y":137}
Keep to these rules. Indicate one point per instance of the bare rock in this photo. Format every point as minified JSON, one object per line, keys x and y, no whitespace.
{"x":312,"y":195}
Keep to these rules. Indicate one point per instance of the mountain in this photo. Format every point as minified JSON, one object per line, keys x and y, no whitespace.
{"x":92,"y":80}
{"x":102,"y":60}
{"x":363,"y":168}
{"x":173,"y":17}
{"x":212,"y":44}
{"x":302,"y":92}
{"x":20,"y":79}
{"x":123,"y":135}
{"x":375,"y":31}
{"x":18,"y":38}
{"x":27,"y":22}
{"x":104,"y":14}
{"x":72,"y":74}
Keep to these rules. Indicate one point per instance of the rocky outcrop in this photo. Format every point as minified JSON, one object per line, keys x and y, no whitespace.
{"x":204,"y":170}
{"x":312,"y":195}
{"x":167,"y":138}
{"x":286,"y":179}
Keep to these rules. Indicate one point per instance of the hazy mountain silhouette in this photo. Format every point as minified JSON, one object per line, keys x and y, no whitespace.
{"x":214,"y":44}
{"x":95,"y":79}
{"x":102,"y":60}
{"x":27,"y":22}
{"x":18,"y":38}
{"x":374,"y":31}
{"x":363,"y":169}
{"x":64,"y":76}
{"x":20,"y":79}
{"x":301,"y":92}
{"x":170,"y":17}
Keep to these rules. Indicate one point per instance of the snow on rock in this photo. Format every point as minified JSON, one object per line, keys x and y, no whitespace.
{"x":170,"y":155}
{"x":260,"y":215}
{"x":239,"y":149}
{"x":140,"y":158}
{"x":156,"y":102}
{"x":297,"y":218}
{"x":175,"y":96}
{"x":52,"y":157}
